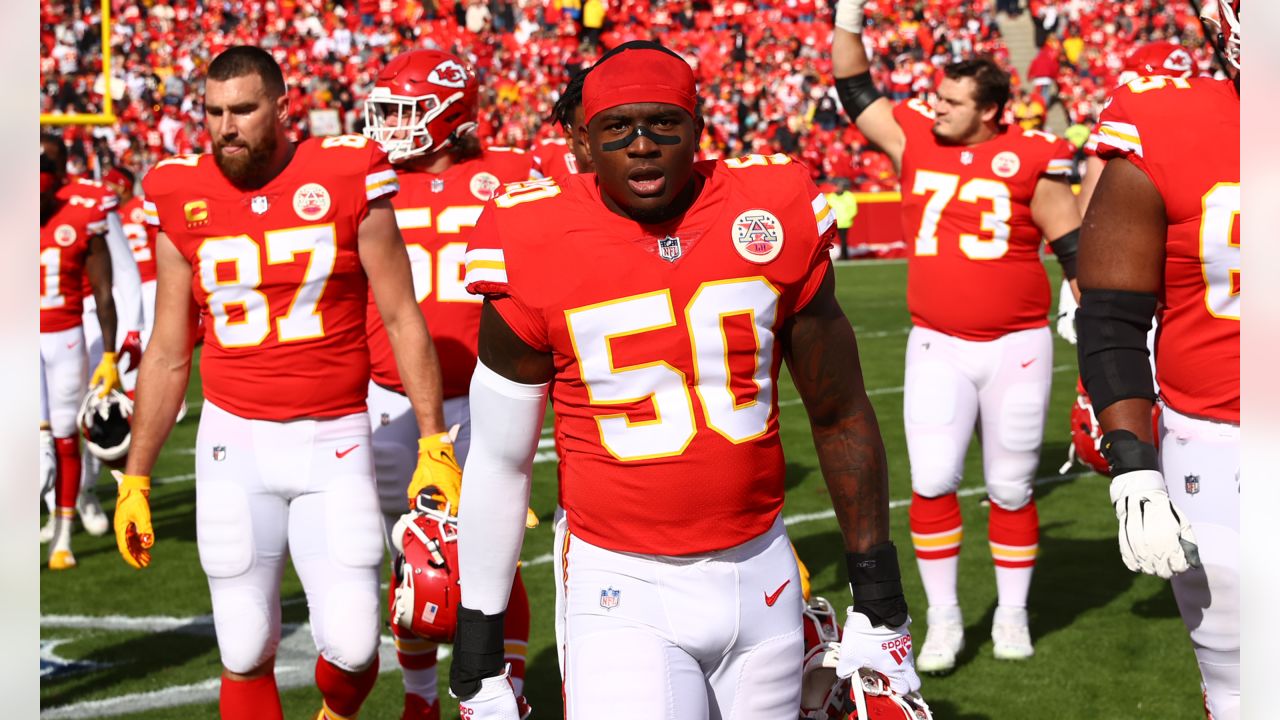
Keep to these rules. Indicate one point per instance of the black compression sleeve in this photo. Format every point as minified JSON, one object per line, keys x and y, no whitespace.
{"x":856,"y":93}
{"x":1065,"y":248}
{"x":1112,"y":329}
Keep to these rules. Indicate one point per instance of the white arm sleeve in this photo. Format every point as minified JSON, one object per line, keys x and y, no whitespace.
{"x":506,"y":421}
{"x":126,"y":283}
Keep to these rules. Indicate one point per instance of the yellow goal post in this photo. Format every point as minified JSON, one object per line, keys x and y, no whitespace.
{"x":107,"y":116}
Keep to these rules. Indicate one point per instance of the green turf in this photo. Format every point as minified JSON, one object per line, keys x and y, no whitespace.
{"x":1108,"y":643}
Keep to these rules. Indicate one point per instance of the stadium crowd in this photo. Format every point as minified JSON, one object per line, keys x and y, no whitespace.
{"x":763,"y":66}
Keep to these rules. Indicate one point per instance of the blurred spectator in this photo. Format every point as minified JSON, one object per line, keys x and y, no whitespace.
{"x":845,"y":206}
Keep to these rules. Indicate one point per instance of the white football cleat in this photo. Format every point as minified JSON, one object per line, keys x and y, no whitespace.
{"x":943,"y":641}
{"x":46,"y":530}
{"x":92,"y":517}
{"x":1010,"y":634}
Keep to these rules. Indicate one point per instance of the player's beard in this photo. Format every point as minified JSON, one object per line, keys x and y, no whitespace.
{"x":246,"y":169}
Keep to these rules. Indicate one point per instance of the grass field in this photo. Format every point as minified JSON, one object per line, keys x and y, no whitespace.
{"x":1109,"y":644}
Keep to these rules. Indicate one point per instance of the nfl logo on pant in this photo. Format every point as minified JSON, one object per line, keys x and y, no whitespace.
{"x":609,"y":598}
{"x":219,"y":453}
{"x":1192,"y":484}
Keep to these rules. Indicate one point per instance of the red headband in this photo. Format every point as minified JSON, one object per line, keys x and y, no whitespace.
{"x":638,"y":76}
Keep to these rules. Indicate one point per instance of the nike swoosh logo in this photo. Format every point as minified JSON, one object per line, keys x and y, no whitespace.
{"x":1028,"y":363}
{"x":343,"y":453}
{"x":769,"y":600}
{"x":72,"y":344}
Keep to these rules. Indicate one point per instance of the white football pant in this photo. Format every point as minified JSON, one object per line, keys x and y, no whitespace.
{"x":952,"y":385}
{"x":1201,"y":464}
{"x":699,"y":637}
{"x":62,"y":355}
{"x":266,"y":490}
{"x":395,"y":446}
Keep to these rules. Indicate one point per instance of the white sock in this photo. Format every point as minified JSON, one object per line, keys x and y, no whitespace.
{"x":421,"y":683}
{"x":1013,"y":585}
{"x":939,"y":579}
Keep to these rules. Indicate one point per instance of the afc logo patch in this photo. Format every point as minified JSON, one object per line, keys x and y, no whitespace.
{"x":1006,"y":164}
{"x":448,"y":74}
{"x":1192,"y":484}
{"x":311,"y":201}
{"x":485,"y":186}
{"x":609,"y":598}
{"x":757,"y":236}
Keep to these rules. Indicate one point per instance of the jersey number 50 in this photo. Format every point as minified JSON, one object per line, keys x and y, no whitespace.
{"x":593,"y":328}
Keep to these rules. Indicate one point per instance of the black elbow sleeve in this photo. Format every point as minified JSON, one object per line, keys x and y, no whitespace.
{"x":856,"y":93}
{"x":1065,"y":248}
{"x":1112,"y":327}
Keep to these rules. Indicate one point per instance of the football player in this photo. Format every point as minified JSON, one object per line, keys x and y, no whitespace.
{"x":1162,"y":238}
{"x":277,"y":245}
{"x":978,"y":197}
{"x":125,"y":292}
{"x":141,"y":237}
{"x":688,"y":285}
{"x":73,"y":247}
{"x":422,"y":110}
{"x":566,"y":155}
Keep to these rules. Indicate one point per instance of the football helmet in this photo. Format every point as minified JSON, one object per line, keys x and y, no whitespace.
{"x":105,"y":424}
{"x":1086,"y":434}
{"x":822,"y":692}
{"x":422,"y":102}
{"x":1222,"y":21}
{"x":1158,"y":58}
{"x":425,"y":594}
{"x":871,"y":698}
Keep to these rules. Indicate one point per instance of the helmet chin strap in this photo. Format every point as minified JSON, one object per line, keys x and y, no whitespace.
{"x":636,"y":133}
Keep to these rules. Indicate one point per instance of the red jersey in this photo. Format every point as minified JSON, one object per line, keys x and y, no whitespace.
{"x":96,"y":196}
{"x":1194,"y":161}
{"x":277,"y":275}
{"x":436,"y":214}
{"x":141,"y":236}
{"x":553,"y":157}
{"x":664,"y":344}
{"x":975,"y":270}
{"x":64,"y":245}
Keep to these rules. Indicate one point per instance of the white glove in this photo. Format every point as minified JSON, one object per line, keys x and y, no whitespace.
{"x":1067,"y":313}
{"x":496,"y":700}
{"x":883,"y":649}
{"x":849,"y":15}
{"x":1155,"y":537}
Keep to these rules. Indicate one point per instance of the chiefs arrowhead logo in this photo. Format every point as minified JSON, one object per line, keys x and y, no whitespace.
{"x":448,"y":74}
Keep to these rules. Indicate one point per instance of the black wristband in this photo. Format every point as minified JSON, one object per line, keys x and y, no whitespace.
{"x":1066,"y":248}
{"x":1126,"y":453}
{"x":876,"y":584}
{"x":856,"y":93}
{"x":479,"y":651}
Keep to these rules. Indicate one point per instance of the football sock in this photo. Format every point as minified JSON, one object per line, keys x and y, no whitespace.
{"x":254,"y":699}
{"x":92,"y":469}
{"x":68,"y":485}
{"x":417,"y":663}
{"x":344,"y":692}
{"x":1015,"y":537}
{"x":936,"y":531}
{"x":516,"y":629}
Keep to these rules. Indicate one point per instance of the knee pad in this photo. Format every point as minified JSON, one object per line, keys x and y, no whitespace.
{"x":1009,"y":481}
{"x":224,"y":530}
{"x":347,"y":636}
{"x":393,"y":466}
{"x":248,"y":629}
{"x":1022,"y":415}
{"x":935,"y":470}
{"x":353,"y":521}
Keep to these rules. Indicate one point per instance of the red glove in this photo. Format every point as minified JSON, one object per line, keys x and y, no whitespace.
{"x":131,"y":350}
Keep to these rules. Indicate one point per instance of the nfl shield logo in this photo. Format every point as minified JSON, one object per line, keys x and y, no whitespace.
{"x":219,"y":453}
{"x":386,"y":419}
{"x":669,"y":248}
{"x":1192,"y":484}
{"x":437,"y":185}
{"x":609,"y":598}
{"x":966,"y":158}
{"x":258,"y":204}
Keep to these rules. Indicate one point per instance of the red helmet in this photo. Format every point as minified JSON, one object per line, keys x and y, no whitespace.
{"x":822,"y":693}
{"x":425,"y":594}
{"x":422,"y":101}
{"x":1223,"y":17}
{"x":872,"y":699}
{"x":1086,"y":433}
{"x":1158,"y":58}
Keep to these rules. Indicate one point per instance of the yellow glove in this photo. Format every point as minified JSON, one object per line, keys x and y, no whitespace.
{"x":805,"y":588}
{"x":437,"y":473}
{"x":107,"y":375}
{"x":531,"y":519}
{"x":134,"y":536}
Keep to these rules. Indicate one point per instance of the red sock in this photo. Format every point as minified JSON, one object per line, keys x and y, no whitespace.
{"x":68,"y":487}
{"x":344,"y":692}
{"x":516,"y":630}
{"x":936,"y":528}
{"x":256,"y":699}
{"x":1014,"y":535}
{"x":413,"y":652}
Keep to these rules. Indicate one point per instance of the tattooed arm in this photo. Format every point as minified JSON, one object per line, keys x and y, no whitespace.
{"x":822,"y":355}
